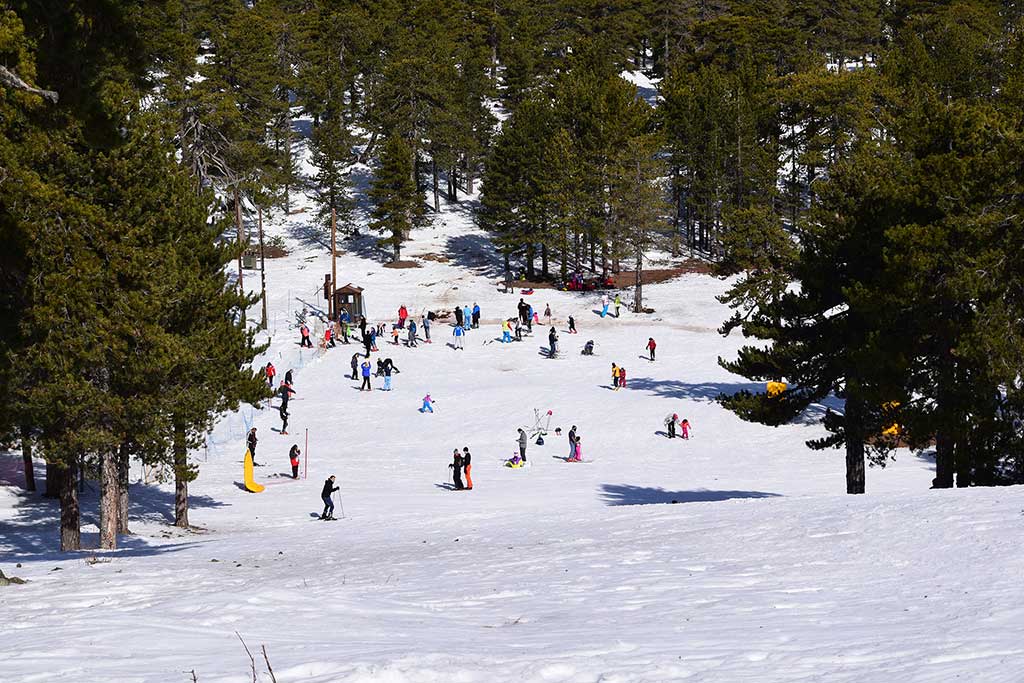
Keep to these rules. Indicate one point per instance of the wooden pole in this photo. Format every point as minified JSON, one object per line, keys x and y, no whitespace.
{"x":334,"y":260}
{"x":263,"y":270}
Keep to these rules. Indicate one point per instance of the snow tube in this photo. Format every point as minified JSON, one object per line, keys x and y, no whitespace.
{"x":250,"y":482}
{"x":526,"y":291}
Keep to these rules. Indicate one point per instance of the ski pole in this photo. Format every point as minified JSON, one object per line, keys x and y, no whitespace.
{"x":341,"y":504}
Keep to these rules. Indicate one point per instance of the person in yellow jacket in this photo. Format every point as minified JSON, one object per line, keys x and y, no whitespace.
{"x":616,"y":373}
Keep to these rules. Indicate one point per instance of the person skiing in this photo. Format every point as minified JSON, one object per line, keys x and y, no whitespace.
{"x":365,"y":367}
{"x":412,"y":333}
{"x":519,"y":328}
{"x":467,"y":467}
{"x":305,"y":340}
{"x":651,"y":345}
{"x":684,"y":429}
{"x":552,"y":342}
{"x":572,"y":325}
{"x":403,"y":313}
{"x":572,"y":441}
{"x":251,"y":442}
{"x":615,"y":376}
{"x":604,"y":305}
{"x":426,"y":328}
{"x":293,"y":458}
{"x":458,"y":316}
{"x":389,"y":367}
{"x":458,"y":333}
{"x":355,"y":364}
{"x":618,"y":303}
{"x":286,"y":392}
{"x":271,"y":372}
{"x":325,"y":495}
{"x":670,"y":423}
{"x":456,"y":468}
{"x":476,"y":319}
{"x":374,"y":333}
{"x":522,"y":444}
{"x":288,"y":377}
{"x":427,"y":406}
{"x":283,"y":410}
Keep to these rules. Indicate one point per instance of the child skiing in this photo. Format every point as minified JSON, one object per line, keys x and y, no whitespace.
{"x":394,"y":335}
{"x":325,"y":495}
{"x":547,"y":314}
{"x":427,"y":406}
{"x":552,"y":342}
{"x":456,"y":468}
{"x":622,"y":378}
{"x":293,"y":458}
{"x":412,"y":333}
{"x":651,"y":345}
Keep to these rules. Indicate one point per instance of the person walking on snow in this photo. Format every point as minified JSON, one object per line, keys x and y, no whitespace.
{"x":426,"y":328}
{"x":467,"y":317}
{"x":456,"y":468}
{"x":547,"y":314}
{"x":427,"y":406}
{"x":552,"y":342}
{"x":389,"y":368}
{"x":572,"y":325}
{"x":293,"y":458}
{"x":684,"y":428}
{"x":572,"y":441}
{"x":615,"y":376}
{"x":288,"y":377}
{"x":271,"y":372}
{"x":458,"y":333}
{"x":670,"y":424}
{"x":402,"y":315}
{"x":467,"y":467}
{"x":529,"y":318}
{"x":365,"y":367}
{"x":251,"y":442}
{"x":651,"y":345}
{"x":476,"y":317}
{"x":305,"y":340}
{"x":394,"y":335}
{"x":618,"y":303}
{"x":522,"y":444}
{"x":622,"y":378}
{"x":283,"y":410}
{"x":412,"y":333}
{"x":604,"y":305}
{"x":355,"y":364}
{"x":325,"y":496}
{"x":522,"y":307}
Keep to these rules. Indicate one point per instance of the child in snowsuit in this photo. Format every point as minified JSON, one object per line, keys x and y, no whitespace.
{"x":577,"y":451}
{"x":604,"y":305}
{"x":552,"y":340}
{"x":456,"y":468}
{"x":515,"y":461}
{"x":293,"y":457}
{"x":684,"y":428}
{"x":427,"y":407}
{"x":651,"y":345}
{"x":588,"y":348}
{"x":622,"y":378}
{"x":325,"y":495}
{"x":618,"y":303}
{"x":394,"y":335}
{"x":467,"y":467}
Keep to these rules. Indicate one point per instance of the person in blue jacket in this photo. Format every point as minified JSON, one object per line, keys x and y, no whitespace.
{"x":458,"y":333}
{"x":476,"y":315}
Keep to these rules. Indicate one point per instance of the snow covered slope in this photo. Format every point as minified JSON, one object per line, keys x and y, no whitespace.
{"x":761,"y":571}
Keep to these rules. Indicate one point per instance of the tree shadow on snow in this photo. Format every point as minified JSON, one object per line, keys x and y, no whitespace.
{"x":476,"y":253}
{"x":625,"y":494}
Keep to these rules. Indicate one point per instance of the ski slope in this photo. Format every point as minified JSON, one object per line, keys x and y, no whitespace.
{"x":733,"y":556}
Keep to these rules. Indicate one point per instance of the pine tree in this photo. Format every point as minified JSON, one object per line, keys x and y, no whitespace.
{"x":398,"y":205}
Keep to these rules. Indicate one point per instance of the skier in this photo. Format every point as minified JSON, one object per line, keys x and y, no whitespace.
{"x":522,"y":445}
{"x":293,"y":457}
{"x":670,"y":423}
{"x":684,"y":428}
{"x":374,"y":333}
{"x":304,"y":331}
{"x":618,"y":303}
{"x":547,"y":314}
{"x":458,"y":316}
{"x":458,"y":332}
{"x":552,"y":340}
{"x":572,"y":441}
{"x":412,"y":333}
{"x":426,"y":328}
{"x":467,"y":467}
{"x":572,"y":325}
{"x":271,"y":372}
{"x":325,"y":495}
{"x":389,"y":367}
{"x":403,"y":313}
{"x":427,"y":406}
{"x":284,"y":419}
{"x":366,"y":376}
{"x":355,"y":364}
{"x":251,"y":441}
{"x":288,"y":377}
{"x":604,"y":305}
{"x":476,"y":319}
{"x":456,"y":468}
{"x":286,"y":392}
{"x":615,"y":376}
{"x":651,"y":345}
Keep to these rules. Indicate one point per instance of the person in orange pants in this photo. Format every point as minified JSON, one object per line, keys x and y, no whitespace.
{"x":466,"y":458}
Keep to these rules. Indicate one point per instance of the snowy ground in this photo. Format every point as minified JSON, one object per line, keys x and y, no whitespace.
{"x":762,"y":571}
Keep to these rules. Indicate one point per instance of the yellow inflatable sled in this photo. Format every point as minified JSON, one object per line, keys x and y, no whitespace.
{"x":250,"y":481}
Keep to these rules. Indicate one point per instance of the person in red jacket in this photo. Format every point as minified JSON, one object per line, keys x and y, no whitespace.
{"x":271,"y":373}
{"x":328,"y":338}
{"x":403,"y":313}
{"x":651,"y":345}
{"x":293,"y":456}
{"x":304,"y":331}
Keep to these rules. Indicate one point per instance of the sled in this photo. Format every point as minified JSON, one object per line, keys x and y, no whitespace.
{"x":250,"y":482}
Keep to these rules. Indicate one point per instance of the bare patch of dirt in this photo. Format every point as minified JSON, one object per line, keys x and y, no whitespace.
{"x":402,"y":264}
{"x":627,"y":278}
{"x":273,"y":251}
{"x":437,"y":258}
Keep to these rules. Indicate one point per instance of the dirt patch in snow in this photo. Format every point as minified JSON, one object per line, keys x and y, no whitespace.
{"x":402,"y":264}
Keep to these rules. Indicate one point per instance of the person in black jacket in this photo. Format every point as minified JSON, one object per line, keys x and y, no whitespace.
{"x":251,"y":440}
{"x":329,"y":488}
{"x":456,"y":468}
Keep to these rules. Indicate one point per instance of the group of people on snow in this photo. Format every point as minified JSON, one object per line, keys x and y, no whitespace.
{"x":461,"y":466}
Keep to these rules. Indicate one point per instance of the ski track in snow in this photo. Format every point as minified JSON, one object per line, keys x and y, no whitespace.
{"x":763,"y":571}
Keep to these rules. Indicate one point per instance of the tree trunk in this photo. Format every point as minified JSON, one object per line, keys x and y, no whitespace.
{"x":109,"y":497}
{"x":854,"y":448}
{"x":289,"y":165}
{"x":241,"y":241}
{"x":469,"y":178}
{"x":529,"y":260}
{"x":544,"y":260}
{"x":944,"y":447}
{"x":182,"y":473}
{"x":54,"y":475}
{"x":26,"y":454}
{"x":263,"y":272}
{"x":638,"y":305}
{"x":123,"y":463}
{"x":437,"y":184}
{"x":963,"y":455}
{"x":70,"y":514}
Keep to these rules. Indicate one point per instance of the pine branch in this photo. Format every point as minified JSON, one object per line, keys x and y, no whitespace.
{"x":13,"y":80}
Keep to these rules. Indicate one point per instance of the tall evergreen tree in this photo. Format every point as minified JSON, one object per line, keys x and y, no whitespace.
{"x":398,"y":205}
